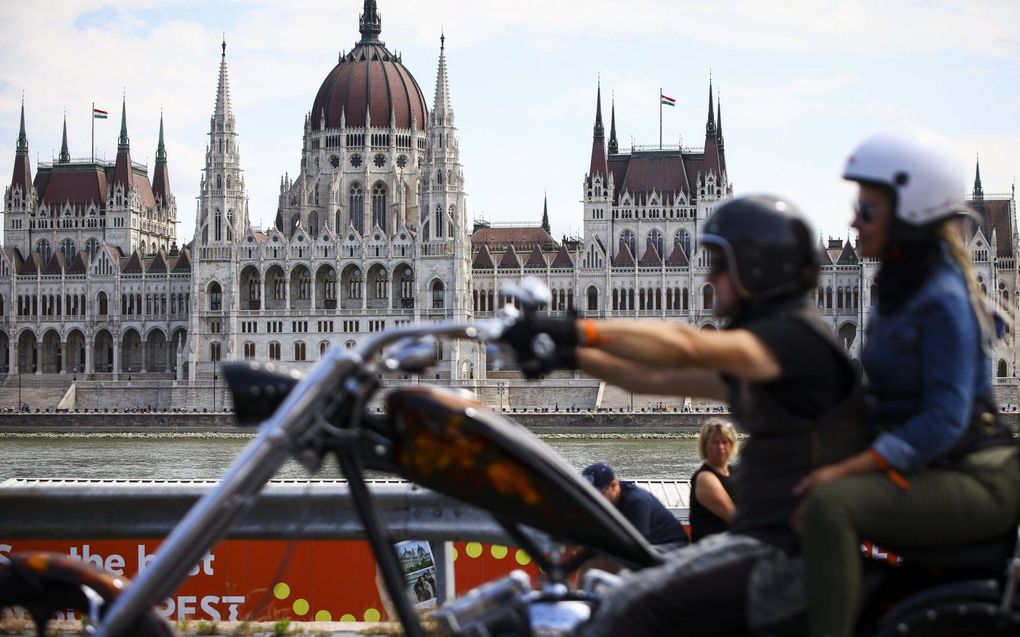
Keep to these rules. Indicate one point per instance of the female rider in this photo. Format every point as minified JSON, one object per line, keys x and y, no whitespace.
{"x":942,"y":470}
{"x":711,"y":503}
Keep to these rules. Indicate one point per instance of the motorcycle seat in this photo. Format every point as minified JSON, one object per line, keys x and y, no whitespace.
{"x":990,"y":555}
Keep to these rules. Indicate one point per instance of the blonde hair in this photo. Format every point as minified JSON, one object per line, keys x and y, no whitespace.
{"x":952,"y":233}
{"x":724,"y":428}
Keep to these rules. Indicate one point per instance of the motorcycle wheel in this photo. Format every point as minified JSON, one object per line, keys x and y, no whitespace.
{"x":964,"y":618}
{"x":43,"y":599}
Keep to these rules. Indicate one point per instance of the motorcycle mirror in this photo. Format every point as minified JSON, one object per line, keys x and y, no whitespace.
{"x":411,"y":355}
{"x":257,"y":389}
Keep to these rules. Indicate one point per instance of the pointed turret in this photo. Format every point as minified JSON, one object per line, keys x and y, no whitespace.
{"x":713,"y":162}
{"x":370,"y":23}
{"x":161,"y":175}
{"x":22,"y":176}
{"x":614,"y":147}
{"x":65,"y":155}
{"x":442,"y":110}
{"x":979,"y":192}
{"x":122,"y":173}
{"x":710,"y":124}
{"x":223,"y":110}
{"x":598,"y":144}
{"x":718,"y":120}
{"x":545,"y":214}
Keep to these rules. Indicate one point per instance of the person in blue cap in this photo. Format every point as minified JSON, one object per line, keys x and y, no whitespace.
{"x":642,"y":509}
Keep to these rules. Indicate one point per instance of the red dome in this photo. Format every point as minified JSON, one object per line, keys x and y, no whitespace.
{"x":370,"y":79}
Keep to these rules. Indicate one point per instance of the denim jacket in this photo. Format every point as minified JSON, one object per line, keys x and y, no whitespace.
{"x":925,"y":365}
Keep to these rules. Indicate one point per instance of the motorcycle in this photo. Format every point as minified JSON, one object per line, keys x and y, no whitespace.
{"x":447,"y":441}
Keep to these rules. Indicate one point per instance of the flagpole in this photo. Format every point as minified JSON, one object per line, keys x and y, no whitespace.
{"x":660,"y":118}
{"x":92,"y":116}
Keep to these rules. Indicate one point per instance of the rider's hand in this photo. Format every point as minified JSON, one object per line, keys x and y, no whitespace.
{"x":543,"y":343}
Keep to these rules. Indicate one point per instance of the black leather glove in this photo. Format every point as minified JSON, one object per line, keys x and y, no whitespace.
{"x":543,"y":343}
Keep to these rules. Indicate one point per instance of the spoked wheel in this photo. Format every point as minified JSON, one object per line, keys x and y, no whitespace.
{"x":38,"y":588}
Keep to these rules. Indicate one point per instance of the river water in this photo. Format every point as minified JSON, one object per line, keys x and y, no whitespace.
{"x":185,"y":457}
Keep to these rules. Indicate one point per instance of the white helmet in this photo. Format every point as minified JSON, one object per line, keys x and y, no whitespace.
{"x":922,"y":170}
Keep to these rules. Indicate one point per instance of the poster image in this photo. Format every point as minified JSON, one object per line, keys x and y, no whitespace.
{"x":419,"y":568}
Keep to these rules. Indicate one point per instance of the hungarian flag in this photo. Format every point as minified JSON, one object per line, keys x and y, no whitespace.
{"x":98,"y":114}
{"x":668,"y":101}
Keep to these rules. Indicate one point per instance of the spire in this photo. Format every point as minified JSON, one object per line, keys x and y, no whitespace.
{"x":710,"y":125}
{"x":22,"y":176}
{"x":161,"y":147}
{"x":22,"y":137}
{"x":160,"y":174}
{"x":370,"y":24}
{"x":442,"y":109}
{"x":614,"y":147}
{"x":718,"y":118}
{"x":979,"y":192}
{"x":545,"y":213}
{"x":598,"y":144}
{"x":65,"y":155}
{"x":123,"y":143}
{"x":122,"y":172}
{"x":223,"y":110}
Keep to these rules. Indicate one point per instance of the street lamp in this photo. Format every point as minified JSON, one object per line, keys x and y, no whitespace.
{"x":214,"y":377}
{"x":501,"y":387}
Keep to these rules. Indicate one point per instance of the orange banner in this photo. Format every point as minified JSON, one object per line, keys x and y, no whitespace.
{"x":309,"y":580}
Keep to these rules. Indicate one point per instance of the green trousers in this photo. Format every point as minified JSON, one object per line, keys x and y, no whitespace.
{"x":979,"y":500}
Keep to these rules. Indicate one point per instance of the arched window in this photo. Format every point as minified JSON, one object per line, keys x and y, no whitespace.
{"x":379,"y":206}
{"x":214,"y":352}
{"x":655,"y":240}
{"x":42,"y":246}
{"x":683,"y":238}
{"x":839,"y":298}
{"x":1002,"y":369}
{"x":438,"y":225}
{"x":593,"y":298}
{"x":686,"y":299}
{"x":104,"y":304}
{"x":92,"y":247}
{"x":627,"y":237}
{"x":708,"y":296}
{"x":219,"y":178}
{"x":249,"y":350}
{"x":438,"y":294}
{"x":828,"y":298}
{"x":357,"y":207}
{"x":67,"y":247}
{"x":215,"y":297}
{"x":218,"y":225}
{"x":274,"y":351}
{"x":299,"y":351}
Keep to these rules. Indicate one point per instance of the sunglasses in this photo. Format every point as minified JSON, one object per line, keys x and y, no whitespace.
{"x":864,"y":211}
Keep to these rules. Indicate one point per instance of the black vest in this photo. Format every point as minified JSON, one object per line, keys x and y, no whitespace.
{"x":784,"y":447}
{"x":704,"y":522}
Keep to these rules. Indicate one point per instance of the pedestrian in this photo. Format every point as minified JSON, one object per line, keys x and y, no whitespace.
{"x":712,"y":507}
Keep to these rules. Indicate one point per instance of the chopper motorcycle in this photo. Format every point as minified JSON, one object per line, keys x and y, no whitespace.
{"x":447,"y":441}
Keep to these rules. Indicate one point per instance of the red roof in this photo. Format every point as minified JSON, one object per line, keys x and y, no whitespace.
{"x":651,"y":257}
{"x":483,"y":260}
{"x":665,"y":173}
{"x":535,"y":260}
{"x":79,"y":265}
{"x":132,"y":264}
{"x":996,"y":215}
{"x":522,"y":238}
{"x":847,"y":256}
{"x":183,"y":261}
{"x":562,"y":260}
{"x":369,"y":80}
{"x":678,"y":258}
{"x":158,"y":263}
{"x":509,"y":259}
{"x":56,"y":265}
{"x":22,"y":173}
{"x":79,"y":185}
{"x":623,"y":258}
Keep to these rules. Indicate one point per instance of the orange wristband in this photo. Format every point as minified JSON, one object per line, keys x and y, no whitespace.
{"x":591,"y":334}
{"x":894,"y":476}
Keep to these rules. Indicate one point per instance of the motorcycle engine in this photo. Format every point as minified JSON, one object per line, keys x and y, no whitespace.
{"x":509,"y":607}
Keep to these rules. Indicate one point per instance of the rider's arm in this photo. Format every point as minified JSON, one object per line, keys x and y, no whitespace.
{"x":710,"y":492}
{"x":738,"y":352}
{"x":644,"y":379}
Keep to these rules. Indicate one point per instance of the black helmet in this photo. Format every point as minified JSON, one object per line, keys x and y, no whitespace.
{"x":767,"y":245}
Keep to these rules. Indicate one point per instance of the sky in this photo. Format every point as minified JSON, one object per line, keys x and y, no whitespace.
{"x":801,"y":82}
